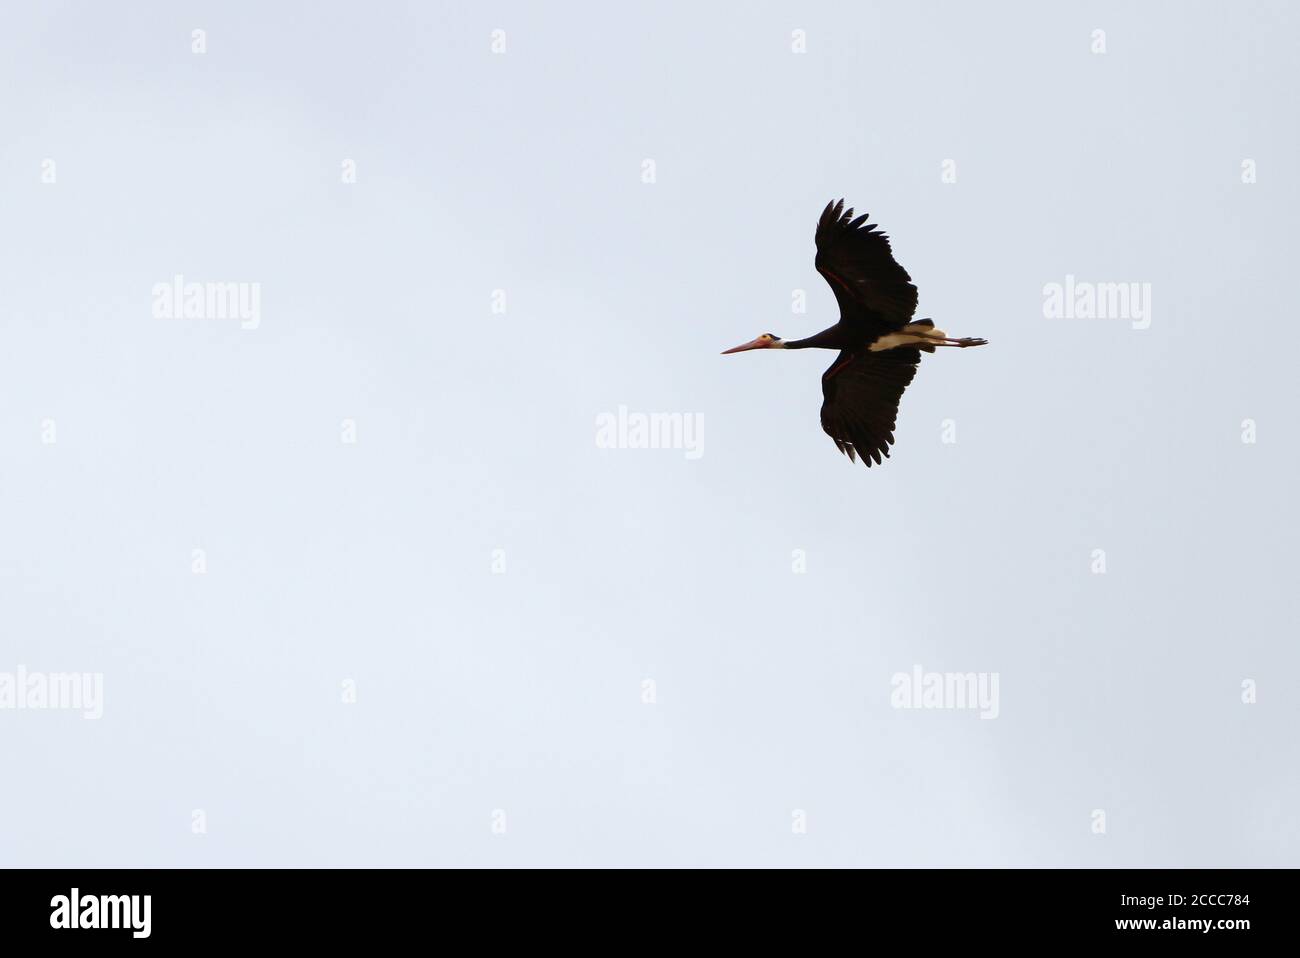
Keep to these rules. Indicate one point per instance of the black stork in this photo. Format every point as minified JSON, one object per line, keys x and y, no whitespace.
{"x":880,"y":344}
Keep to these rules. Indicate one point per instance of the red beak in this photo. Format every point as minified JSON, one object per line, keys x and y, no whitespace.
{"x":759,"y":343}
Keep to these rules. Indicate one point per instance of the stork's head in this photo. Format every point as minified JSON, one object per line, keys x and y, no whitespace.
{"x":766,"y":341}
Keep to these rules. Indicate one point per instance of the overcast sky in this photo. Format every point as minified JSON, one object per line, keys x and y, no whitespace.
{"x":360,"y":580}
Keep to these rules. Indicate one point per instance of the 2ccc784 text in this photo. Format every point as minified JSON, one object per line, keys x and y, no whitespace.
{"x":1220,"y":899}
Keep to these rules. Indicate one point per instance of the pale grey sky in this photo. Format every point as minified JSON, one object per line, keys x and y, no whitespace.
{"x":495,"y":587}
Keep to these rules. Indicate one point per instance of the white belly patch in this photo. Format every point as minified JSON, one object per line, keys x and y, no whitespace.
{"x":909,"y":335}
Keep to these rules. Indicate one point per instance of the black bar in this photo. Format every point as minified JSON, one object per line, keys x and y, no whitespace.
{"x":370,"y":906}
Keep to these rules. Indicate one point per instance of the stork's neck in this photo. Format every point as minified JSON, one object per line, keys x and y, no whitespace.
{"x":827,"y":339}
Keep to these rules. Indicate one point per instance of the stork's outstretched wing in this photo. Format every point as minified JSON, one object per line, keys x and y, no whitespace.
{"x":873,"y":291}
{"x":861,"y":393}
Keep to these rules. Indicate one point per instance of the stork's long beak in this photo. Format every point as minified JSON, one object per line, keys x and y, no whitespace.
{"x":759,"y":343}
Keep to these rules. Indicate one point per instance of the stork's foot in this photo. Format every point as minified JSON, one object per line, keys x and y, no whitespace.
{"x":972,"y":341}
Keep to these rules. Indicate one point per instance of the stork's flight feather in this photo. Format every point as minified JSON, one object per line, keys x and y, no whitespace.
{"x":874,"y":292}
{"x":880,"y":344}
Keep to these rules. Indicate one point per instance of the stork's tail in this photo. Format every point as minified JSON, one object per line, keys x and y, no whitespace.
{"x":924,"y":324}
{"x":926,"y":337}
